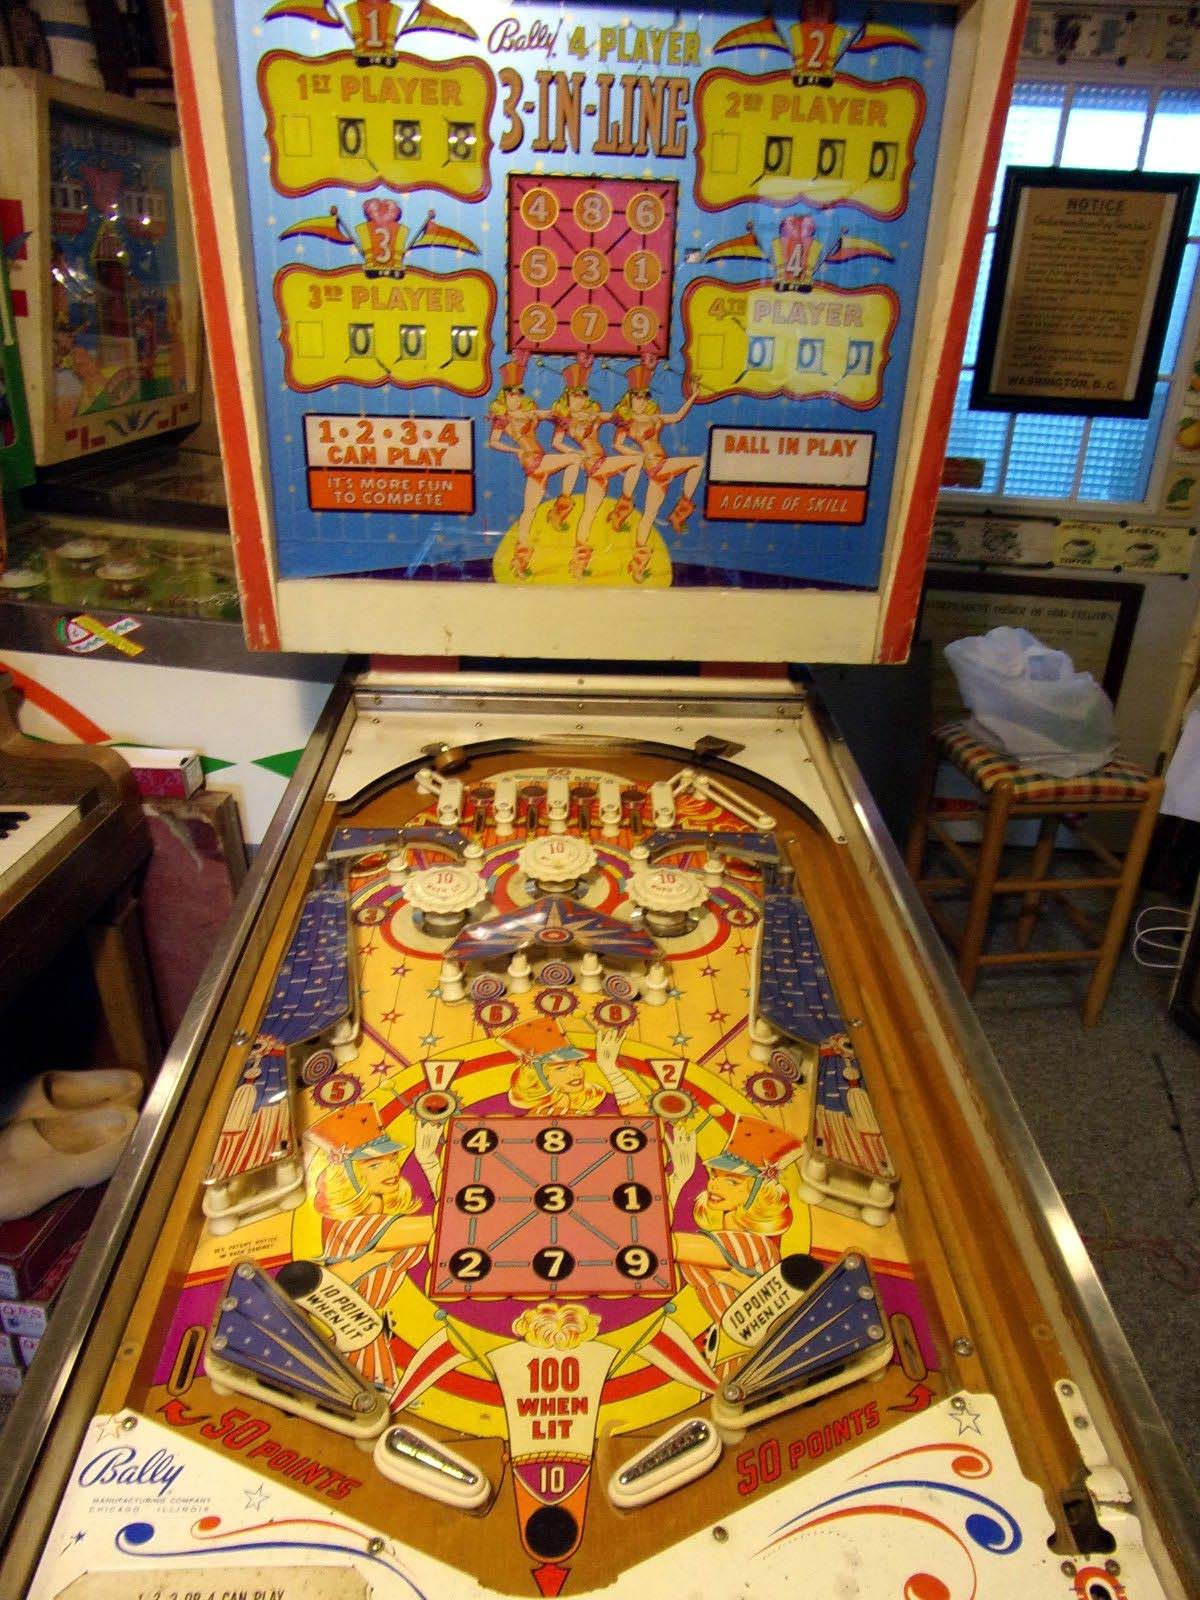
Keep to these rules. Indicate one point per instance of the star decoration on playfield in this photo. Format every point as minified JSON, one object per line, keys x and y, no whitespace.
{"x":727,"y":1069}
{"x":718,"y":1016}
{"x":708,"y":972}
{"x":379,"y":1069}
{"x":741,"y":949}
{"x":369,"y":949}
{"x":74,"y":1539}
{"x":390,"y":1016}
{"x":255,"y":1498}
{"x":109,"y":1428}
{"x":401,"y":971}
{"x":432,"y":994}
{"x":968,"y":1421}
{"x":680,"y":1039}
{"x":430,"y":1039}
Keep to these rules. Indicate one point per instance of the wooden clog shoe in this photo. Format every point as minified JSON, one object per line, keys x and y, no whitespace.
{"x":56,"y":1094}
{"x":43,"y":1157}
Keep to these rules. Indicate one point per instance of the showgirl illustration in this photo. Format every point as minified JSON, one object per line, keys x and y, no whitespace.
{"x":639,"y":428}
{"x":553,"y":1078}
{"x":373,"y":1229}
{"x":579,"y":418}
{"x":742,"y":1213}
{"x":514,"y":415}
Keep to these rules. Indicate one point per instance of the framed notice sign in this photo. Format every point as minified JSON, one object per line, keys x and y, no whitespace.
{"x":1080,"y":290}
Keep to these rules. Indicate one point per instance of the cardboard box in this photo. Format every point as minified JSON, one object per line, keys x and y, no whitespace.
{"x":27,"y":1348}
{"x":161,"y":773}
{"x":29,"y":1246}
{"x":11,"y":1379}
{"x":8,"y":1350}
{"x":30,"y":1315}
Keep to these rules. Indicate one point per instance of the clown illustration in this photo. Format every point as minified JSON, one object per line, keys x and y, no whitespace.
{"x":514,"y":416}
{"x":372,"y":1228}
{"x":639,"y":428}
{"x":553,"y":1079}
{"x":578,"y":419}
{"x":742,"y":1213}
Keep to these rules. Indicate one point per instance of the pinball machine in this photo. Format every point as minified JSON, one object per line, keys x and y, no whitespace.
{"x":579,"y":1170}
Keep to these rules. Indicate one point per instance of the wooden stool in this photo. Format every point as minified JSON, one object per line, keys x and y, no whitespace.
{"x":1012,"y":791}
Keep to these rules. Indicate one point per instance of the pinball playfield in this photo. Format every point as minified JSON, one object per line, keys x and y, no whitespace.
{"x":578,"y":1207}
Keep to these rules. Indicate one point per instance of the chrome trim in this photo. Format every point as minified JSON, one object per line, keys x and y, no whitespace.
{"x":497,"y":695}
{"x":33,"y":1416}
{"x":1176,"y":1503}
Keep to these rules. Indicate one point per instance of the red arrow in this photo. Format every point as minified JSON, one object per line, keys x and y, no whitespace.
{"x":178,"y":1415}
{"x":550,"y":1578}
{"x":918,"y":1399}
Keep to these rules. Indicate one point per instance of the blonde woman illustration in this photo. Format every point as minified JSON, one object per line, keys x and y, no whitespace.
{"x":553,"y":1080}
{"x":514,"y":416}
{"x":741,"y":1215}
{"x":373,"y":1230}
{"x":639,"y":428}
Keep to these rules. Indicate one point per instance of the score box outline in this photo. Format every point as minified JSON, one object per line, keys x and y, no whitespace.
{"x":693,"y":327}
{"x":420,"y":279}
{"x":800,"y":191}
{"x":564,"y":340}
{"x":785,"y":501}
{"x":383,"y":177}
{"x":409,"y":481}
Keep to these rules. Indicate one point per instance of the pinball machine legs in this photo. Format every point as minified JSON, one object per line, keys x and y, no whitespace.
{"x":1006,"y":792}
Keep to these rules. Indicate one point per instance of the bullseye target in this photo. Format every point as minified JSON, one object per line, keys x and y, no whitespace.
{"x":317,"y":1067}
{"x":488,"y":987}
{"x":556,"y":975}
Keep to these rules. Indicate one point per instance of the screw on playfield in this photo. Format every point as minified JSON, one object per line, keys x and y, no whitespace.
{"x":375,"y":1545}
{"x":128,"y":1422}
{"x":958,"y":1403}
{"x":963,"y":1346}
{"x":1067,"y":1568}
{"x":1113,"y":1568}
{"x":720,"y":1534}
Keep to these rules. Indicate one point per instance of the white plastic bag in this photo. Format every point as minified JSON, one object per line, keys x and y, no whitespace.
{"x":1029,"y":701}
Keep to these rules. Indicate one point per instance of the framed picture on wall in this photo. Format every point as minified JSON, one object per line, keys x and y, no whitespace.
{"x":1080,"y":289}
{"x":1091,"y":619}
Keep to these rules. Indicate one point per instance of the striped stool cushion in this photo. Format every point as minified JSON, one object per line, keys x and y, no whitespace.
{"x":985,"y":766}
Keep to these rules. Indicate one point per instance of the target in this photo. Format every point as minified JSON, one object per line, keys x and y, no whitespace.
{"x":556,"y":975}
{"x":318,"y":1066}
{"x":488,"y":987}
{"x":590,"y":264}
{"x":618,"y":987}
{"x":370,"y":916}
{"x":784,"y":1063}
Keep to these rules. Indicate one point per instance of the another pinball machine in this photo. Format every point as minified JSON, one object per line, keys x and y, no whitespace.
{"x":579,"y":1171}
